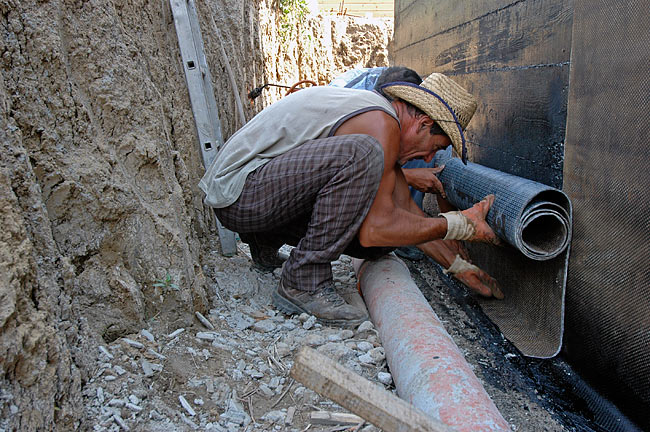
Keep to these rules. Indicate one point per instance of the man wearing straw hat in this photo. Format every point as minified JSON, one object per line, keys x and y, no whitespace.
{"x":320,"y":169}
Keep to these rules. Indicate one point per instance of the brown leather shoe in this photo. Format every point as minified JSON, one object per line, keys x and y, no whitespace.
{"x":326,"y":305}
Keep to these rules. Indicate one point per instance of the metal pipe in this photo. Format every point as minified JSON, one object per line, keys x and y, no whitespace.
{"x":428,"y":369}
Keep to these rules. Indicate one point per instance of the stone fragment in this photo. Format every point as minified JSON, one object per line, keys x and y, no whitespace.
{"x":266,"y":390}
{"x":119,"y":370}
{"x":134,"y":399}
{"x":366,"y":358}
{"x":291,"y":411}
{"x":303,"y":317}
{"x":385,"y":378}
{"x":156,"y":354}
{"x":311,"y":321}
{"x":235,"y":413}
{"x":239,"y":321}
{"x":147,"y":334}
{"x":110,"y":378}
{"x":283,"y":349}
{"x":377,"y":354}
{"x":134,"y":344}
{"x":204,"y":320}
{"x":106,"y":352}
{"x":118,"y":403}
{"x":120,"y":422}
{"x":133,"y":407}
{"x":365,"y":326}
{"x":189,"y":422}
{"x":198,"y":401}
{"x":274,"y":383}
{"x":241,"y":365}
{"x":264,"y":326}
{"x":208,"y":336}
{"x":364,"y":346}
{"x":147,"y":368}
{"x":288,"y":325}
{"x":314,"y":339}
{"x":100,"y":395}
{"x":276,"y":417}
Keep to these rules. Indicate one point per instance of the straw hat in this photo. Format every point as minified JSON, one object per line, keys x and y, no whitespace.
{"x":442,"y":99}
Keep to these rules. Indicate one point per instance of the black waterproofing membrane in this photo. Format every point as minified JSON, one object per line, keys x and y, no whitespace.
{"x":535,"y":222}
{"x":531,"y":216}
{"x":606,"y":174}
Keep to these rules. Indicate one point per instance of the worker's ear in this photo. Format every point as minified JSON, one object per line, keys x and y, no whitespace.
{"x":424,"y":122}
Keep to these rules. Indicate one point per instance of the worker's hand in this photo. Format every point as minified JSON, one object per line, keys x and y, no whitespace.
{"x":425,"y":179}
{"x":473,"y":277}
{"x":457,"y":248}
{"x":476,"y":215}
{"x":480,"y":282}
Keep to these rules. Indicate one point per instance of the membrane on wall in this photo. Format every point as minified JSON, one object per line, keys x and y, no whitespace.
{"x":606,"y":177}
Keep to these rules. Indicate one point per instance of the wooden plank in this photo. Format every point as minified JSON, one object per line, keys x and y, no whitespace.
{"x":333,"y":418}
{"x":382,"y":8}
{"x":530,"y":33}
{"x":355,"y":393}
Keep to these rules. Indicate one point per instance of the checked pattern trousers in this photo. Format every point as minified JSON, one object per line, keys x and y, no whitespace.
{"x":314,"y":197}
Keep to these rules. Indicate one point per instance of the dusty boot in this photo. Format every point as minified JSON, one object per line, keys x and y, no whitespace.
{"x":326,"y":305}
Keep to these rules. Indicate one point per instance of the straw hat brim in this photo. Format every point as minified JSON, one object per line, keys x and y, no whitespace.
{"x":432,"y":105}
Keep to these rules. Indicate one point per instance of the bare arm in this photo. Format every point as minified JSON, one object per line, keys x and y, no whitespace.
{"x":387,"y":223}
{"x":394,"y":219}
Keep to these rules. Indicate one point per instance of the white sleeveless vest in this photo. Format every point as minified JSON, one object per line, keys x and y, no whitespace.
{"x":308,"y":114}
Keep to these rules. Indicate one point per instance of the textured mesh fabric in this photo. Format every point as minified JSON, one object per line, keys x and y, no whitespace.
{"x":606,"y":176}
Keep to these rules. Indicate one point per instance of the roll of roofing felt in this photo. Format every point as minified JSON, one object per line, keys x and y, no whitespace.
{"x":532,"y":217}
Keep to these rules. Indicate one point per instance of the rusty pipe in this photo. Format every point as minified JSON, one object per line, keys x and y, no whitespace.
{"x":428,"y":369}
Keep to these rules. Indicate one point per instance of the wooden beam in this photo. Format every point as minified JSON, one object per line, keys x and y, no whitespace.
{"x":359,"y":395}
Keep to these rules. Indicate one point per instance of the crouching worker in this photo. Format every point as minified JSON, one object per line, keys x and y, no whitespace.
{"x":320,"y":170}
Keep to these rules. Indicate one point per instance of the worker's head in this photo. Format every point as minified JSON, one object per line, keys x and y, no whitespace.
{"x":448,"y":105}
{"x":396,"y":74}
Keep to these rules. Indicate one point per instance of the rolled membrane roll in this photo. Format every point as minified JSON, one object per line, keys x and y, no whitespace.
{"x":531,"y":216}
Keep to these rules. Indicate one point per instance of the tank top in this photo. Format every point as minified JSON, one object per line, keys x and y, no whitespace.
{"x":308,"y":114}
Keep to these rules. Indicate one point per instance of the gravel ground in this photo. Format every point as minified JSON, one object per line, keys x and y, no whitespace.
{"x":229,"y":370}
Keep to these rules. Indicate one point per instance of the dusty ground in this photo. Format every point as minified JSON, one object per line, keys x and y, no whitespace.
{"x":235,"y":376}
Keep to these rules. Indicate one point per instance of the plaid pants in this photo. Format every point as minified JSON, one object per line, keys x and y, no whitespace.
{"x":314,"y":197}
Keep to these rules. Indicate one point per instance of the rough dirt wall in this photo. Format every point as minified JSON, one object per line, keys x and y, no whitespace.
{"x":98,"y":174}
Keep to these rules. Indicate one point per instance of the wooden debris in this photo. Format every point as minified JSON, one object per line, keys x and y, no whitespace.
{"x":106,"y":352}
{"x":156,"y":354}
{"x":333,"y":418}
{"x":120,"y":422}
{"x":355,"y":393}
{"x":204,"y":321}
{"x":186,"y":405}
{"x":175,"y":333}
{"x":134,"y":344}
